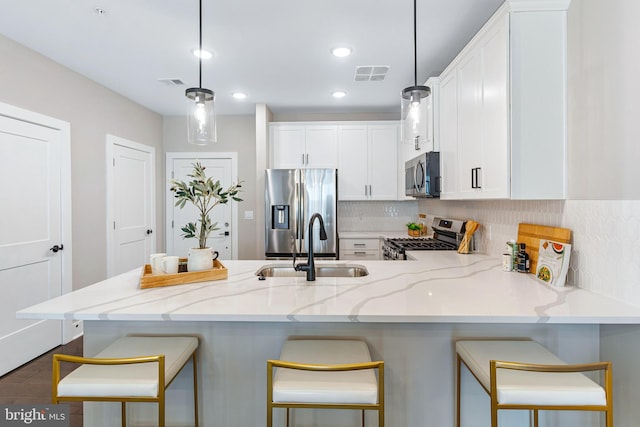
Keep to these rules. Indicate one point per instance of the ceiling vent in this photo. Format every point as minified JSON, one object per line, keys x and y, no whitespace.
{"x":371,"y":73}
{"x":171,"y":82}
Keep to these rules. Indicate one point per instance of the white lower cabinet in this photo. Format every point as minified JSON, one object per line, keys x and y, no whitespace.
{"x":360,"y":249}
{"x":367,"y":161}
{"x":503,"y":121}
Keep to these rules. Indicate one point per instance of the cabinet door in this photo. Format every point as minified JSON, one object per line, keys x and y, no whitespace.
{"x":383,"y":162}
{"x":449,"y":135}
{"x":287,"y":147}
{"x":494,"y":53}
{"x":470,"y":125}
{"x":321,"y":146}
{"x":352,"y":162}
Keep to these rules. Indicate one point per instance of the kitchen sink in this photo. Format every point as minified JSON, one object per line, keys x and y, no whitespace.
{"x":287,"y":270}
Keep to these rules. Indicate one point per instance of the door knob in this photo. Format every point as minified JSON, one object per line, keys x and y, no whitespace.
{"x":56,"y":248}
{"x":149,"y":231}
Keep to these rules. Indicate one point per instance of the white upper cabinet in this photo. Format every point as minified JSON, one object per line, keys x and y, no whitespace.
{"x":502,"y":105}
{"x":367,"y":161}
{"x":304,"y":146}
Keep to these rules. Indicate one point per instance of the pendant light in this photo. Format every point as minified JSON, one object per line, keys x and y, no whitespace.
{"x":201,"y":120}
{"x":413,"y":101}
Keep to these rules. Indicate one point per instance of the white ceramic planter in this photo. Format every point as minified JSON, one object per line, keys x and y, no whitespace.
{"x":200,"y":259}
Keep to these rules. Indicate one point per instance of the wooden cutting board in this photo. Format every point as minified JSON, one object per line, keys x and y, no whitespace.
{"x":531,"y":234}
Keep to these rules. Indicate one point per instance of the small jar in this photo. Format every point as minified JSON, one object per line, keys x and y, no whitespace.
{"x":422,"y":223}
{"x":512,"y":249}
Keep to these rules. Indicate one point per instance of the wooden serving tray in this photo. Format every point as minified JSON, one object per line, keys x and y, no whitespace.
{"x":531,"y":234}
{"x":149,"y":280}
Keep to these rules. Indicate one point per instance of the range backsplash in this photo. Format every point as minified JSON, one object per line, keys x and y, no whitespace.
{"x":376,"y":216}
{"x":606,"y":233}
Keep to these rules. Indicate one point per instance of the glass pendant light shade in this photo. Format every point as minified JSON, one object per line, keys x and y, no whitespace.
{"x":413,"y":115}
{"x":201,"y":120}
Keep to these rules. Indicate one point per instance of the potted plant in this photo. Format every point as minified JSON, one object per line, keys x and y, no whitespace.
{"x":414,"y":229}
{"x":205,"y":194}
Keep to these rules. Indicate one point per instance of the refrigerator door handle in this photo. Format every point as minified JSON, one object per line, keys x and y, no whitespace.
{"x":303,"y":214}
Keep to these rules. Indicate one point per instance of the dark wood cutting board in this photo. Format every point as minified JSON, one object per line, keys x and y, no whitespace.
{"x":531,"y":234}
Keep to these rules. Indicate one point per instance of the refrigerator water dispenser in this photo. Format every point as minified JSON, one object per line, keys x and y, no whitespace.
{"x":280,"y":217}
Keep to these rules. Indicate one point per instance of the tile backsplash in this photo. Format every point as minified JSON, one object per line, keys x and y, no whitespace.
{"x":606,"y":233}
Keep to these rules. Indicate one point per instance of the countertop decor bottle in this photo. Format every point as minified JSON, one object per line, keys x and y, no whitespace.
{"x":522,"y":260}
{"x":422,"y":223}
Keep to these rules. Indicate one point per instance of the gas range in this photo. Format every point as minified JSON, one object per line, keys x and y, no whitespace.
{"x":447,"y":234}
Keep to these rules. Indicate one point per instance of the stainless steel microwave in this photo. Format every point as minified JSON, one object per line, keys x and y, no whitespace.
{"x":422,"y":175}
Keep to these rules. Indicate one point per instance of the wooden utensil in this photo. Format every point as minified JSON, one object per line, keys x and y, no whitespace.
{"x":470,"y":228}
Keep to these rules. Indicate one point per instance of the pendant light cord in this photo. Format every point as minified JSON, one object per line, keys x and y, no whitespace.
{"x":415,"y":46}
{"x":200,"y":55}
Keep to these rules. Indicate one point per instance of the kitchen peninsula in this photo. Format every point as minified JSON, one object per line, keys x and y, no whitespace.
{"x":409,"y":313}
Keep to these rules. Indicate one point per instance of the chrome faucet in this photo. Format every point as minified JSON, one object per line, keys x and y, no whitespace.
{"x":310,"y":266}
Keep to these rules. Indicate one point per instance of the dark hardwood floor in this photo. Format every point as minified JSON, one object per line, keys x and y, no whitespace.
{"x":31,"y":383}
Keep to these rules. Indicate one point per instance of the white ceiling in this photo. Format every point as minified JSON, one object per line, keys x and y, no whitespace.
{"x":277,"y":51}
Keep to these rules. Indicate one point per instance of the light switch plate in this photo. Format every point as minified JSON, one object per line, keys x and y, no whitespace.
{"x":248,"y":214}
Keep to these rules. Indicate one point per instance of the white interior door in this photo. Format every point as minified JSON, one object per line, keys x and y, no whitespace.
{"x":30,"y":226}
{"x":131,"y":204}
{"x":220,"y":240}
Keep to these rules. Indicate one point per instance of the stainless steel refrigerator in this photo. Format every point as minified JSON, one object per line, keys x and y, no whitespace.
{"x":292,"y":196}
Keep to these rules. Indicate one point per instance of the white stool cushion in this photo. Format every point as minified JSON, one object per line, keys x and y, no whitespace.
{"x":531,"y":388}
{"x":291,"y":385}
{"x":135,"y":380}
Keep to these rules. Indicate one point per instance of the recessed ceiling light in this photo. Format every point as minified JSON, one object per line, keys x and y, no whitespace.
{"x":100,"y":11}
{"x":341,"y":51}
{"x":239,"y":95}
{"x":204,"y":54}
{"x":339,"y":94}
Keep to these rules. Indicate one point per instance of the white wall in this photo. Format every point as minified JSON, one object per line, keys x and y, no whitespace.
{"x":33,"y":82}
{"x":603,"y":70}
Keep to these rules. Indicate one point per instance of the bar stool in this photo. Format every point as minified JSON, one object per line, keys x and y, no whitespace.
{"x":325,"y":373}
{"x":522,"y":374}
{"x":131,"y":369}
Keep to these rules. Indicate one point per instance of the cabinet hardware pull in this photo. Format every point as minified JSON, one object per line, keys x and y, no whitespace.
{"x":359,"y":245}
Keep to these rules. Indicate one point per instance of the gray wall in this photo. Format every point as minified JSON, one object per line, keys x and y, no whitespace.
{"x":235,"y":134}
{"x":35,"y":83}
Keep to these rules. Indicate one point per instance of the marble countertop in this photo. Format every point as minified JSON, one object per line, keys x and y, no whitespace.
{"x":440,"y":287}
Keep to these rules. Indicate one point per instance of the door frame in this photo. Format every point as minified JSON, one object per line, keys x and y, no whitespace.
{"x":170,"y":157}
{"x":69,"y":331}
{"x":111,"y":142}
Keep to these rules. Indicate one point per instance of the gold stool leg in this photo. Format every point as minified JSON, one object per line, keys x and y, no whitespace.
{"x":123,"y":413}
{"x":458,"y":391}
{"x":287,"y":417}
{"x":195,"y":389}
